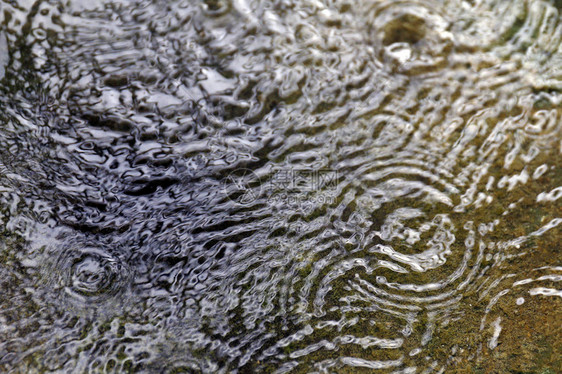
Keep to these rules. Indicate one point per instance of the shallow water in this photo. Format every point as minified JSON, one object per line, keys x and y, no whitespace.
{"x":283,"y":186}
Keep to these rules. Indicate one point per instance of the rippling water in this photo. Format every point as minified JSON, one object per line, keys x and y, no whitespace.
{"x":282,"y":186}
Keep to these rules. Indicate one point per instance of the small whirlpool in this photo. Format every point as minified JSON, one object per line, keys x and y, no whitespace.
{"x":410,"y":38}
{"x":89,"y":276}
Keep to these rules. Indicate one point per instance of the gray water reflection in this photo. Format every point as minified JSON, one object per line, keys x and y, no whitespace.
{"x":280,"y":186}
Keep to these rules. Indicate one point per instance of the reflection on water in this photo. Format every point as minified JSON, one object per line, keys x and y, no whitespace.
{"x":280,"y":186}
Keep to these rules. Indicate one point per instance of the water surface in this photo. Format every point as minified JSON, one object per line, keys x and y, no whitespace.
{"x":286,"y":186}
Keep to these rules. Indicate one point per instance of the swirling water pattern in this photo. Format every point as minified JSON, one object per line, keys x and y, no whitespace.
{"x":280,"y":186}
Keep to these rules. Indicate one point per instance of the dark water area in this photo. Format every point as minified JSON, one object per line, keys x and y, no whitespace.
{"x":281,"y":186}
